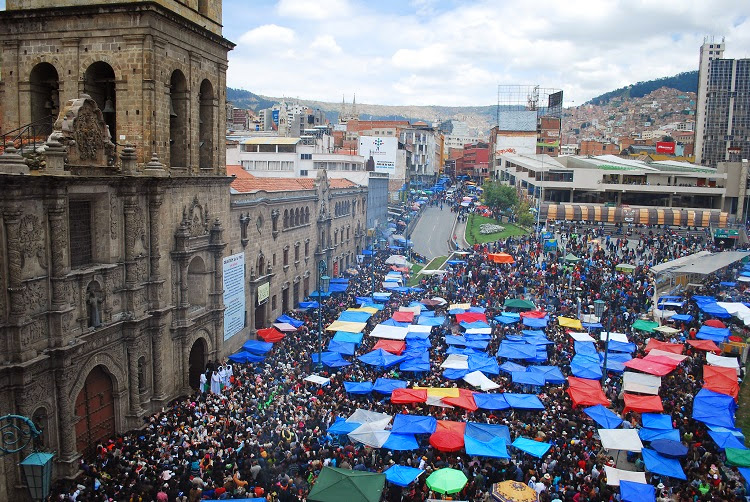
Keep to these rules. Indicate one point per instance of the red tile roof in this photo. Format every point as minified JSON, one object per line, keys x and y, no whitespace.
{"x":247,"y":183}
{"x":238,"y":172}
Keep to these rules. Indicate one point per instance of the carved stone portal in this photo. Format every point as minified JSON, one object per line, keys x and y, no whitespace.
{"x":85,"y":133}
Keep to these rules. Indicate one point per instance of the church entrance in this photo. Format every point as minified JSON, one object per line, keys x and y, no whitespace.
{"x":95,"y":411}
{"x":196,"y":363}
{"x":260,"y":316}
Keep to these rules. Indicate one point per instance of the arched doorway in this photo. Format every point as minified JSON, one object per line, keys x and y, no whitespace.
{"x":196,"y":363}
{"x":99,"y":83}
{"x":45,"y":99}
{"x":95,"y":410}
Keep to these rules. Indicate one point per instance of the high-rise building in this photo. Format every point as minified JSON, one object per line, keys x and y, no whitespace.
{"x":722,"y":131}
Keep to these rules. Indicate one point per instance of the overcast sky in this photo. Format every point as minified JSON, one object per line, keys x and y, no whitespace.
{"x":454,"y":52}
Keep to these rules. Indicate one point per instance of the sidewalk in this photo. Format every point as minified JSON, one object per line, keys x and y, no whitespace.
{"x":460,"y":233}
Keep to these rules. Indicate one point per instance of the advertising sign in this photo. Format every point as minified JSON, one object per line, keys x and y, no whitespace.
{"x":275,"y":116}
{"x":382,"y":150}
{"x":515,"y":143}
{"x":233,"y":268}
{"x":665,"y":147}
{"x":264,"y":290}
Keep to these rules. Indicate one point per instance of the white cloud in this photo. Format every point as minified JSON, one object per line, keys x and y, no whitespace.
{"x":271,"y":34}
{"x":325,"y":43}
{"x":308,"y":9}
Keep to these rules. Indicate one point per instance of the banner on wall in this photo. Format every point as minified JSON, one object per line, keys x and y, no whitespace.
{"x":233,"y":268}
{"x":264,"y":291}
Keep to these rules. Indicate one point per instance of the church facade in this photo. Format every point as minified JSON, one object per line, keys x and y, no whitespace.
{"x":114,"y":214}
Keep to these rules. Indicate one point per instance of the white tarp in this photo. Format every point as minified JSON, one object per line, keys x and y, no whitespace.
{"x":738,"y":310}
{"x":418,"y":328}
{"x":620,"y":439}
{"x":614,"y":476}
{"x":742,"y":278}
{"x":641,"y":382}
{"x":669,"y":330}
{"x":416,"y":310}
{"x":464,"y":306}
{"x":456,"y":362}
{"x":676,"y":357}
{"x":389,"y":332}
{"x":317,"y":379}
{"x":665,"y":314}
{"x":370,"y":434}
{"x":724,"y":362}
{"x":479,"y":331}
{"x":589,"y":318}
{"x":478,"y":379}
{"x":437,"y":401}
{"x":396,"y":259}
{"x":582,"y":337}
{"x":361,"y":416}
{"x":617,"y":337}
{"x":442,"y":301}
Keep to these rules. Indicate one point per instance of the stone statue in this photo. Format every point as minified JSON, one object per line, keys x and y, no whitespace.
{"x":95,"y":317}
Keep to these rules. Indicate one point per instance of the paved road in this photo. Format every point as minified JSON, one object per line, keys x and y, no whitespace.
{"x":433,"y":231}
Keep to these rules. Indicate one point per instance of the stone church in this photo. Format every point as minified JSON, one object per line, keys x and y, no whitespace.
{"x":114,"y":207}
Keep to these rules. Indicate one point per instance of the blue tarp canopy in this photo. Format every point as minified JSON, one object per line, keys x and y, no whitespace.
{"x":603,"y":416}
{"x":516,"y":350}
{"x":350,"y":316}
{"x":392,"y":322}
{"x":381,"y":297}
{"x":358,"y":387}
{"x":367,"y":252}
{"x":257,"y":347}
{"x":552,"y":374}
{"x":454,"y":374}
{"x":387,"y":385}
{"x":726,"y":440}
{"x":492,"y":448}
{"x":400,"y":475}
{"x":484,"y":337}
{"x":341,"y":426}
{"x":246,"y":357}
{"x":338,"y":285}
{"x":630,"y":491}
{"x":413,"y":344}
{"x":456,"y":262}
{"x":647,"y":434}
{"x":346,"y":348}
{"x":430,"y":321}
{"x":455,"y":340}
{"x":728,"y":284}
{"x":413,"y":424}
{"x":713,"y":408}
{"x":486,"y":364}
{"x":717,"y":335}
{"x":661,"y":465}
{"x":401,"y":442}
{"x":681,"y":317}
{"x":669,"y":448}
{"x":491,"y":401}
{"x":535,"y":323}
{"x":615,"y":346}
{"x":331,"y":359}
{"x":523,"y":401}
{"x":309,"y":305}
{"x":456,"y":311}
{"x":381,"y":358}
{"x":584,"y":366}
{"x":290,"y":320}
{"x":348,"y":337}
{"x":474,"y":325}
{"x":528,"y":378}
{"x":534,"y":448}
{"x":506,"y":320}
{"x":510,"y":367}
{"x":732,"y":430}
{"x":485,"y":432}
{"x":708,"y":305}
{"x":592,"y":325}
{"x":320,"y":294}
{"x":656,"y":421}
{"x":416,"y":364}
{"x":585,"y":348}
{"x":615,"y":361}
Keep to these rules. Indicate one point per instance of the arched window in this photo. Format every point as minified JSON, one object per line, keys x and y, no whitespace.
{"x":296,"y":217}
{"x":261,"y":265}
{"x":206,"y":122}
{"x":99,"y":83}
{"x":286,"y":218}
{"x":44,"y":86}
{"x":178,"y":120}
{"x":203,"y":7}
{"x":197,"y":283}
{"x":307,"y":215}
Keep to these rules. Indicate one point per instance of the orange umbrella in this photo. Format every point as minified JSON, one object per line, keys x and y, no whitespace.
{"x":501,"y":258}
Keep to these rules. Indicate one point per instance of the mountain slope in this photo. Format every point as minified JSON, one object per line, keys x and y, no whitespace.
{"x":686,"y":82}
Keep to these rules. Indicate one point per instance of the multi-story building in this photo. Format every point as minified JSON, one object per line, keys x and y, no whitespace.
{"x":424,"y":152}
{"x":593,"y":147}
{"x":709,"y":51}
{"x":112,"y":235}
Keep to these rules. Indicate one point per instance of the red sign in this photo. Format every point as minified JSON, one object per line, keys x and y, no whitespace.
{"x":665,"y":147}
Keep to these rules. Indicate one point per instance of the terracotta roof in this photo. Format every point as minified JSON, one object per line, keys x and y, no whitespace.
{"x":254,"y":184}
{"x":238,"y":172}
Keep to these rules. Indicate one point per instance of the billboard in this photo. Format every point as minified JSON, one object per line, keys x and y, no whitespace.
{"x":665,"y":147}
{"x":521,"y":144}
{"x":275,"y":117}
{"x":233,"y":268}
{"x":382,"y":150}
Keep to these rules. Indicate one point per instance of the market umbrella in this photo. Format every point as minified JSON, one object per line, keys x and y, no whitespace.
{"x":715,"y":323}
{"x":447,"y":441}
{"x":669,"y":448}
{"x":446,"y":481}
{"x":513,"y":491}
{"x":571,"y":258}
{"x":401,"y":475}
{"x":347,"y":485}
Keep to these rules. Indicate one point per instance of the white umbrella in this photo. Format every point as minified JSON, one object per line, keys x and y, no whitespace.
{"x":396,"y":259}
{"x":370,"y":434}
{"x":361,"y":416}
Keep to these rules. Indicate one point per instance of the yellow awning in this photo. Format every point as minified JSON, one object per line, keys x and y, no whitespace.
{"x":369,"y":310}
{"x":568,"y":322}
{"x":465,"y":306}
{"x":352,"y":327}
{"x":440,"y":391}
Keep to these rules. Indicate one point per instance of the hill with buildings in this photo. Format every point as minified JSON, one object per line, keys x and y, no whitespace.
{"x":685,"y":82}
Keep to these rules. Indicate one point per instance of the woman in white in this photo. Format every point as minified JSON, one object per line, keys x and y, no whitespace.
{"x":215,"y":383}
{"x":203,"y":383}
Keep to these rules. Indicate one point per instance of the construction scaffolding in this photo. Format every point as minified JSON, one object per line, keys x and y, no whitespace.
{"x":545,"y":101}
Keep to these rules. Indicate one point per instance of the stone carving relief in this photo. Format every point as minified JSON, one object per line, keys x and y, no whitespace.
{"x":35,"y":296}
{"x":275,"y":213}
{"x":82,"y":128}
{"x":196,"y":218}
{"x":34,"y":332}
{"x":137,"y":231}
{"x":30,"y":233}
{"x":114,"y":215}
{"x":244,"y":222}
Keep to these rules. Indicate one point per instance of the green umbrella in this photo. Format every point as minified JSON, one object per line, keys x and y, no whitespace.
{"x":345,"y":485}
{"x":518,"y":303}
{"x":643,"y":325}
{"x":571,"y":258}
{"x":447,"y":481}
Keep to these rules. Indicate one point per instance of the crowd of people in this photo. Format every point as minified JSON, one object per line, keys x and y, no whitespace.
{"x":259,"y":430}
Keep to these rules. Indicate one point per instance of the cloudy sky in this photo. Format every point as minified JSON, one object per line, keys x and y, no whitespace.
{"x":452,"y":52}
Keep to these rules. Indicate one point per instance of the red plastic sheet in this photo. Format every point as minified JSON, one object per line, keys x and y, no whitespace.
{"x":392,"y":346}
{"x":408,"y":396}
{"x":721,"y":380}
{"x":585,"y":392}
{"x":674,"y":348}
{"x":642,"y":404}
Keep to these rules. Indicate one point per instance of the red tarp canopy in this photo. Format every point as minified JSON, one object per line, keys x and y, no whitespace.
{"x":408,"y":396}
{"x":642,"y":404}
{"x":403,"y":316}
{"x":666,"y":361}
{"x":715,"y":323}
{"x":721,"y":380}
{"x":400,"y":269}
{"x":585,"y":392}
{"x":707,"y":345}
{"x":471,"y":317}
{"x":674,"y":348}
{"x":464,"y":400}
{"x":271,"y":335}
{"x":651,"y":367}
{"x":500,"y":258}
{"x":392,"y":346}
{"x":448,"y":436}
{"x":533,"y":314}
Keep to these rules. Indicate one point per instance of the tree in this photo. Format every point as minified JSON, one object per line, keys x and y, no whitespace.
{"x":499,"y":197}
{"x":523,"y":214}
{"x":669,"y":139}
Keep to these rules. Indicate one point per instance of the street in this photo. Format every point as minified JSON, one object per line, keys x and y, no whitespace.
{"x":433,"y":231}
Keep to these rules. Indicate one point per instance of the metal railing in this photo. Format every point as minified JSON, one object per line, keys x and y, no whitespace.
{"x":31,"y":134}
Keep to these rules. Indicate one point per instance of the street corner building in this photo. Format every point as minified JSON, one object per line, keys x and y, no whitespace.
{"x":114,"y":214}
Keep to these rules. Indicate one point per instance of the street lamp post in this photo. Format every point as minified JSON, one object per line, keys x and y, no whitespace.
{"x":16,"y":432}
{"x":323,"y":281}
{"x":599,"y":309}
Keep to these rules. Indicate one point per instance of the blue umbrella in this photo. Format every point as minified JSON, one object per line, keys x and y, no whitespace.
{"x":401,"y":475}
{"x":603,"y":416}
{"x":669,"y":448}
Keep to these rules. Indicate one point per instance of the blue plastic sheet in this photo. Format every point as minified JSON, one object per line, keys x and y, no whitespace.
{"x":506,"y":320}
{"x":309,"y":305}
{"x":331,"y":359}
{"x":401,"y":442}
{"x":528,"y":378}
{"x":431,"y":321}
{"x":681,"y":317}
{"x":631,"y":491}
{"x":661,"y":465}
{"x":392,"y":322}
{"x":713,"y":408}
{"x":346,"y":348}
{"x":656,"y":421}
{"x":246,"y":357}
{"x":474,"y":325}
{"x":534,"y":448}
{"x":358,"y":387}
{"x":455,"y":340}
{"x":516,"y":350}
{"x":381,"y":358}
{"x":726,"y":440}
{"x":586,"y":367}
{"x":485,"y":432}
{"x":552,"y":374}
{"x":510,"y":367}
{"x":492,"y":448}
{"x":413,"y":424}
{"x":290,"y":320}
{"x":416,"y":364}
{"x":717,"y":335}
{"x":592,"y":325}
{"x":388,"y":385}
{"x":486,"y":364}
{"x":454,"y":374}
{"x":615,"y":346}
{"x":585,"y":348}
{"x":257,"y":347}
{"x":491,"y":401}
{"x":341,"y":426}
{"x":400,"y":475}
{"x":350,"y":316}
{"x":603,"y":416}
{"x":535,"y":323}
{"x":348,"y":337}
{"x":647,"y":434}
{"x":523,"y":401}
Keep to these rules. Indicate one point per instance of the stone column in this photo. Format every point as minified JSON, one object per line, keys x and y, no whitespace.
{"x":65,"y":413}
{"x":154,"y":207}
{"x":58,"y":232}
{"x":133,"y":393}
{"x":157,"y":344}
{"x":15,"y":285}
{"x":131,"y":231}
